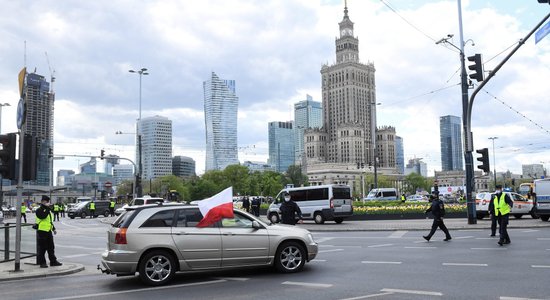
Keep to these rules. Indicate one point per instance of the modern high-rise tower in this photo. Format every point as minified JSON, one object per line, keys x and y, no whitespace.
{"x":220,"y":117}
{"x":281,"y":145}
{"x":39,"y":124}
{"x":399,"y":155}
{"x":156,"y":146}
{"x":349,"y":106}
{"x":307,"y":114}
{"x":451,"y":143}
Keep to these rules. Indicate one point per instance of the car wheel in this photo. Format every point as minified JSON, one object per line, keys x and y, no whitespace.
{"x":274,"y":218}
{"x":480,"y":216}
{"x":545,"y":218}
{"x":534,"y":215}
{"x":338,"y":220}
{"x":106,"y":213}
{"x":518,"y":216}
{"x":319,"y":218}
{"x":157,"y":268}
{"x":71,"y":217}
{"x":83,"y":215}
{"x":290,"y":257}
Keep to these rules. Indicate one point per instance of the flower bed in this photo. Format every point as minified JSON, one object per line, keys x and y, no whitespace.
{"x":398,"y":208}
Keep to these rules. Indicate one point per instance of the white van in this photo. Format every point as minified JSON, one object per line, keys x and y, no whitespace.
{"x":319,"y":203}
{"x":382,"y":194}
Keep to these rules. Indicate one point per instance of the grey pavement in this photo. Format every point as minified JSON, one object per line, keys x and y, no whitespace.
{"x":30,"y":270}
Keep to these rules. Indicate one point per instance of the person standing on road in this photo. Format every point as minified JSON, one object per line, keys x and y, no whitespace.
{"x":92,"y":209}
{"x":502,"y":204}
{"x":44,"y":236}
{"x":246,"y":204}
{"x":491,"y":211}
{"x":24,"y":211}
{"x":112,"y":207}
{"x":255,"y":206}
{"x":438,"y":211}
{"x":62,"y":209}
{"x":289,"y":210}
{"x":56,"y":212}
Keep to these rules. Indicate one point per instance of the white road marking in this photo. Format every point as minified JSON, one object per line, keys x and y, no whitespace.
{"x":322,"y":246}
{"x":462,"y":237}
{"x":381,"y":262}
{"x":494,"y":248}
{"x":106,"y":294}
{"x":323,"y":239}
{"x":380,"y":245}
{"x":77,"y":247}
{"x":543,"y":239}
{"x":81,"y":255}
{"x":318,"y":260}
{"x":530,"y":230}
{"x":331,"y":250}
{"x":426,"y":247}
{"x":515,"y":298}
{"x":308,"y":284}
{"x":397,"y":234}
{"x":232,"y":278}
{"x":487,"y":238}
{"x":470,"y":230}
{"x":427,"y":293}
{"x":465,"y":264}
{"x":540,"y":266}
{"x":367,"y":296}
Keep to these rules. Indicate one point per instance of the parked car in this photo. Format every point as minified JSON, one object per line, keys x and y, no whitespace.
{"x":82,"y":209}
{"x":381,"y":194}
{"x":522,"y":205}
{"x":417,"y":198}
{"x":158,"y":240}
{"x":139,"y":201}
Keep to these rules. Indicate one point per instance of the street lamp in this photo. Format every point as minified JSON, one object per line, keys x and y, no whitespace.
{"x":494,"y":160}
{"x":140,"y":72}
{"x":373,"y":137}
{"x":1,"y":105}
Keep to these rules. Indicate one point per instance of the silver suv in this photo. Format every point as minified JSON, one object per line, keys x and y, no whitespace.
{"x":160,"y":239}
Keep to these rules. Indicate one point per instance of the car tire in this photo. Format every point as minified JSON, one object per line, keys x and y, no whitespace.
{"x":533,"y":214}
{"x":518,"y":216}
{"x":318,"y":217}
{"x":338,"y":220}
{"x":106,"y":213}
{"x":83,"y":215}
{"x":545,"y":218}
{"x":71,"y":217}
{"x":157,"y":268}
{"x":290,"y":257}
{"x":274,"y":218}
{"x":480,"y":216}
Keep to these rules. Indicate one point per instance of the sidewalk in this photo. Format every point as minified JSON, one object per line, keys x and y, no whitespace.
{"x":29,"y":270}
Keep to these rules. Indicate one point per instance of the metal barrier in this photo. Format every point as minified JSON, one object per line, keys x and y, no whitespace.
{"x":7,"y":241}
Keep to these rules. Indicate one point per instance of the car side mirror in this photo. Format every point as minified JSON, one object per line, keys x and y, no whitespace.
{"x":256,"y":225}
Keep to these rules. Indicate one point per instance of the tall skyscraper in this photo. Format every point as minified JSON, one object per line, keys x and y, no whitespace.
{"x":451,"y":143}
{"x":220,"y":117}
{"x":122,"y":173}
{"x":416,"y":165}
{"x":183,"y":166}
{"x":156,"y":146}
{"x":307,"y":114}
{"x":39,"y":123}
{"x":399,"y":155}
{"x":281,"y":145}
{"x":349,"y":106}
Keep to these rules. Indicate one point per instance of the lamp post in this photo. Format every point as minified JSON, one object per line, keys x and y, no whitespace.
{"x":494,"y":160}
{"x":373,"y":137}
{"x":139,"y":191}
{"x":2,"y":105}
{"x":136,"y":178}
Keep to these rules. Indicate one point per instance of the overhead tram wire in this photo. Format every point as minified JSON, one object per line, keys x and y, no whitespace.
{"x":406,"y":21}
{"x":420,"y":95}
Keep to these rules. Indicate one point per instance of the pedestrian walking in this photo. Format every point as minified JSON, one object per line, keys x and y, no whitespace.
{"x":44,"y":240}
{"x":24,"y":211}
{"x":92,"y":209}
{"x":437,"y":209}
{"x":246,"y":204}
{"x":289,"y":210}
{"x":112,"y":207}
{"x":255,"y":203}
{"x":502,"y":204}
{"x":56,"y":210}
{"x":494,"y":221}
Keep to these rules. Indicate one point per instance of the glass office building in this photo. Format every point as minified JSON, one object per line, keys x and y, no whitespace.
{"x":307,"y":114}
{"x":281,"y":145}
{"x":451,"y":143}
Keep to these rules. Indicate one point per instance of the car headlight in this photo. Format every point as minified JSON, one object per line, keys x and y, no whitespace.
{"x":310,"y":237}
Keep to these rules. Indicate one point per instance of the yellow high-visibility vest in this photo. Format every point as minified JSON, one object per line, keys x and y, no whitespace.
{"x":45,"y":224}
{"x":501,"y":205}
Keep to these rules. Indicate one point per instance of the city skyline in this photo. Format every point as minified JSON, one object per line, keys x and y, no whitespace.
{"x":416,"y":79}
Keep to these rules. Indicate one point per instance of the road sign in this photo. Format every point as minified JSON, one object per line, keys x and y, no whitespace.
{"x":542,"y":32}
{"x":108,"y":184}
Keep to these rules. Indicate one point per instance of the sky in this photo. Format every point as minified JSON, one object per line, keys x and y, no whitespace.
{"x":274,"y":50}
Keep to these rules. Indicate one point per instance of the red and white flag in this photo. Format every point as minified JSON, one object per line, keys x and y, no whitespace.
{"x":216,"y":207}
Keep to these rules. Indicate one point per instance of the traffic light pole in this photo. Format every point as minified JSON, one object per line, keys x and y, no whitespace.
{"x":19,"y":201}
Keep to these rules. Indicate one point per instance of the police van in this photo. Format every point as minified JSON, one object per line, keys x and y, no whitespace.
{"x":319,"y":203}
{"x":382,"y":194}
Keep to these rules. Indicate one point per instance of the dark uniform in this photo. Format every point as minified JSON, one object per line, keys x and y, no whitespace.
{"x":437,"y":212}
{"x":255,"y":206}
{"x":494,"y":221}
{"x":501,"y":205}
{"x":56,"y":210}
{"x":44,"y":236}
{"x":112,"y":208}
{"x":289,"y":210}
{"x":92,"y":209}
{"x":246,"y":204}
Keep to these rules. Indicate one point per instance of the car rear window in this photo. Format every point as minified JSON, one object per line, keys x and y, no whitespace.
{"x":341,"y":193}
{"x":124,"y":218}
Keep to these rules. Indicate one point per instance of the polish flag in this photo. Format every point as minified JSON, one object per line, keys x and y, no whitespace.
{"x":216,"y":207}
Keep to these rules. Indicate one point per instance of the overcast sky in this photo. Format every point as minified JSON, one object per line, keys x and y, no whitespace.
{"x":274,"y":50}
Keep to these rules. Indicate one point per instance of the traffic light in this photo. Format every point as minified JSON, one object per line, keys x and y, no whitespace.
{"x":30,"y":158}
{"x":477,"y":67}
{"x":484,"y":159}
{"x":102,"y":154}
{"x":7,"y":155}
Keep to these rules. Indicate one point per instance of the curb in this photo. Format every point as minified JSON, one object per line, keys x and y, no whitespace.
{"x":19,"y":276}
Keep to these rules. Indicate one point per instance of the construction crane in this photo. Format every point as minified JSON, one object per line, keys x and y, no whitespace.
{"x":52,"y":73}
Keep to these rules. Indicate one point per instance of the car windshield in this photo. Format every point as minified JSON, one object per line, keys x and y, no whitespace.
{"x":81,"y":204}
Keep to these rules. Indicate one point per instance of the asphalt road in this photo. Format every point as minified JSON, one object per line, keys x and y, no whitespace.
{"x":350,"y":265}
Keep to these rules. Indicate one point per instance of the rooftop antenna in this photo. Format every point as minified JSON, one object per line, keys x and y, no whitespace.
{"x":52,"y":77}
{"x":25,"y":54}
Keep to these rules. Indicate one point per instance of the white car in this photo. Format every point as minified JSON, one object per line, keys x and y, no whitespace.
{"x":138,"y":202}
{"x":417,"y":198}
{"x":522,"y":205}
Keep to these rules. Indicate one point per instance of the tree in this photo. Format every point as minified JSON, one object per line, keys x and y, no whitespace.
{"x":415,"y":181}
{"x":295,"y":176}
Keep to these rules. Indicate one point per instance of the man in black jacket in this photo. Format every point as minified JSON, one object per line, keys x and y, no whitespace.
{"x":45,"y":227}
{"x":437,"y":211}
{"x":500,"y":206}
{"x":289,"y":210}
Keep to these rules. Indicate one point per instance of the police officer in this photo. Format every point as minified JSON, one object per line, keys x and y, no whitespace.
{"x":92,"y":209}
{"x":56,"y":210}
{"x":44,"y":240}
{"x":255,"y":206}
{"x":62,"y":209}
{"x":403,"y":198}
{"x":24,"y":211}
{"x":437,"y":211}
{"x":491,"y":211}
{"x":246,"y":204}
{"x":112,"y":207}
{"x":502,"y":204}
{"x":289,"y":210}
